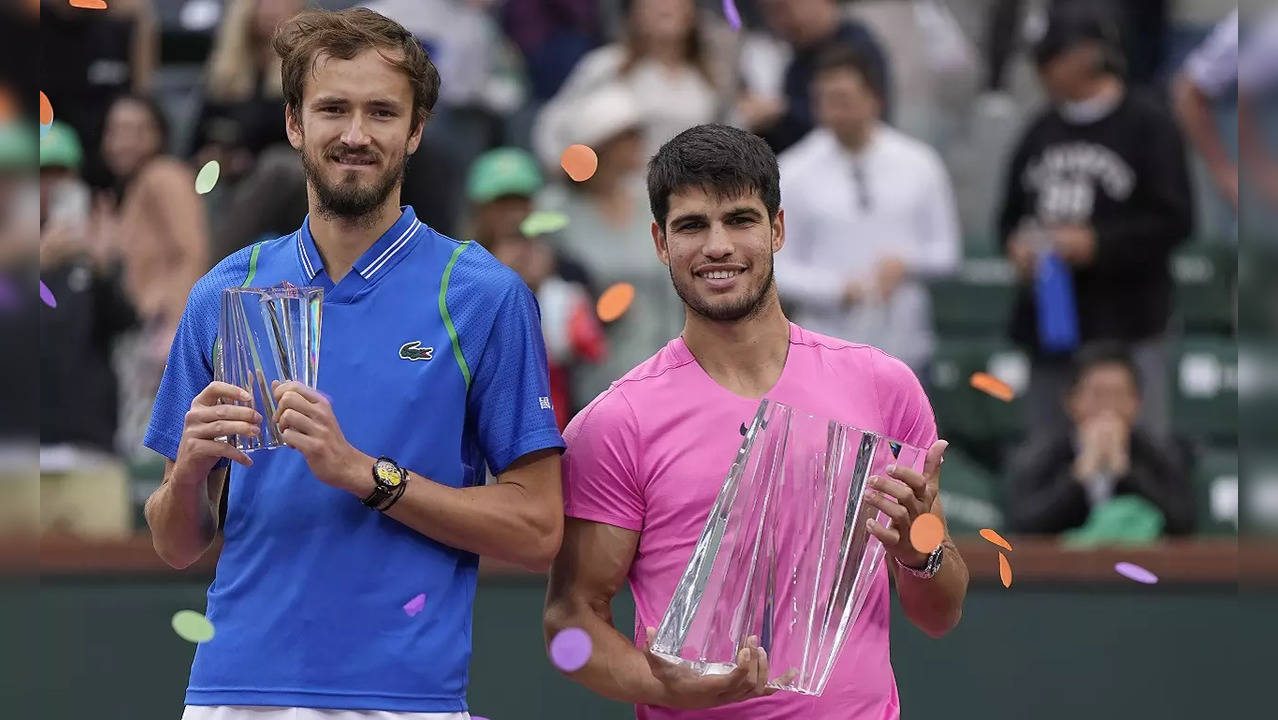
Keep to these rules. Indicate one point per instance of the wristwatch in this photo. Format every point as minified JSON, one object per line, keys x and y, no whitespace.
{"x":930,"y":568}
{"x":390,"y":479}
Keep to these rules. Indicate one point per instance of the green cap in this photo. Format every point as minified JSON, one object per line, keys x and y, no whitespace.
{"x":503,"y":171}
{"x":17,"y":146}
{"x":61,"y":147}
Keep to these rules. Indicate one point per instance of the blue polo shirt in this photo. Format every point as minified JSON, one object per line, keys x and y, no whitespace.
{"x":307,"y":601}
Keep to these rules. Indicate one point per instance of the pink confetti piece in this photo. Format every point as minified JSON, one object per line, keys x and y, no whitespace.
{"x":47,"y":295}
{"x":414,"y":606}
{"x":570,"y":649}
{"x":1136,"y":572}
{"x":730,"y":12}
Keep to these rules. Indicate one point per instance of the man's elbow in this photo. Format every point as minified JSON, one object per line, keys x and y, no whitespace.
{"x":548,"y":534}
{"x":938,"y":627}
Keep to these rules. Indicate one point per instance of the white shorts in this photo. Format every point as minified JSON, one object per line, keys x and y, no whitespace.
{"x":258,"y":712}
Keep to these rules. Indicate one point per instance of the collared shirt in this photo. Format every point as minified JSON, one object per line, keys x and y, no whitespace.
{"x":845,"y":212}
{"x":307,"y":601}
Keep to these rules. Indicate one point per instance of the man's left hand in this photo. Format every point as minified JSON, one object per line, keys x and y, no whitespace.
{"x":307,"y":424}
{"x":1075,"y":243}
{"x":914,"y":494}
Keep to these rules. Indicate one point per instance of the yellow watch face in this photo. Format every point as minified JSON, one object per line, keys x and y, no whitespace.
{"x":388,"y":474}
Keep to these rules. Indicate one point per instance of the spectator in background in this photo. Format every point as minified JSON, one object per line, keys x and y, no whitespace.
{"x":663,"y":62}
{"x":261,"y":188}
{"x":1060,"y":480}
{"x":609,"y":231}
{"x":89,"y":58}
{"x":84,"y":487}
{"x":869,"y":213}
{"x":1209,"y":76}
{"x":161,"y":228}
{"x":811,"y":27}
{"x":500,"y":187}
{"x":552,"y":35}
{"x":1098,"y":179}
{"x":569,"y":326}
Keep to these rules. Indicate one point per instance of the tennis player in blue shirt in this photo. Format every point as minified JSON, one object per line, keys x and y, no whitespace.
{"x":432,"y":367}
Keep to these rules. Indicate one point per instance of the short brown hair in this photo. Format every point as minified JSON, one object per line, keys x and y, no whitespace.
{"x":343,"y":34}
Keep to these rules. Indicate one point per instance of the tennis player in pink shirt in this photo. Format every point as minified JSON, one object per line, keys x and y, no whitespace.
{"x":646,"y":459}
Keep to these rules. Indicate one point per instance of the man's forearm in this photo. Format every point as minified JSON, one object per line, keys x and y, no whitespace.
{"x":182,"y":520}
{"x":617,"y":669}
{"x":935,"y":605}
{"x":501,"y":521}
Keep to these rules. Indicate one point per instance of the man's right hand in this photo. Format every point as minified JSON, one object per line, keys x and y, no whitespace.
{"x":684,"y":689}
{"x":214,"y":415}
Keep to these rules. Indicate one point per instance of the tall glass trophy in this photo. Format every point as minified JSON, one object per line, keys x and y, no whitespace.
{"x":265,"y":335}
{"x":785,"y":555}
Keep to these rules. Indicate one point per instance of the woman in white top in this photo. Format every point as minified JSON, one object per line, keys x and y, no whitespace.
{"x":664,"y":61}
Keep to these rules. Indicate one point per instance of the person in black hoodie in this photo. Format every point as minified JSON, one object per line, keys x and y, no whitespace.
{"x":1056,"y":482}
{"x":1100,"y":179}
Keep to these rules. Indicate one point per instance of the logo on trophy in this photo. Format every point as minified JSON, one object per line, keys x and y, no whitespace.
{"x":785,"y":555}
{"x":266,"y":335}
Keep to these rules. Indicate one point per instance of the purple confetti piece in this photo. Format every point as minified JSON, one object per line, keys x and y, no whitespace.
{"x":570,"y":649}
{"x":47,"y":295}
{"x":1136,"y":572}
{"x":414,"y":606}
{"x":730,"y":12}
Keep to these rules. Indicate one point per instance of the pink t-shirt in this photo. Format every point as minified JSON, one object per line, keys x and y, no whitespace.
{"x":650,"y":454}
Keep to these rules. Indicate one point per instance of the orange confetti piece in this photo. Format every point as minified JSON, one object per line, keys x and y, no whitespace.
{"x":580,"y":162}
{"x":615,"y":301}
{"x":89,"y":4}
{"x":995,"y":538}
{"x":991,"y":385}
{"x":46,"y":109}
{"x":926,"y":533}
{"x":1004,"y":570}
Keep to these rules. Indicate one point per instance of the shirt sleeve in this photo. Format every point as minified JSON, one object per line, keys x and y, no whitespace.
{"x":600,"y":472}
{"x":188,"y":371}
{"x":509,"y":399}
{"x":1213,"y":66}
{"x":907,"y":413}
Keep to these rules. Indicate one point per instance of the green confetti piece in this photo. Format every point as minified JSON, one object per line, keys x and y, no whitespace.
{"x":542,"y":222}
{"x":192,"y":626}
{"x":207,"y":178}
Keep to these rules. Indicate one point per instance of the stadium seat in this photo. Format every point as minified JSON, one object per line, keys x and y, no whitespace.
{"x":1205,"y":395}
{"x":1216,"y":490}
{"x":961,"y":410}
{"x":976,"y":301}
{"x":1204,"y":275}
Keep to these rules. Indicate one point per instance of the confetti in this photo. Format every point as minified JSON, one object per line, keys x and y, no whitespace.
{"x":89,"y":4}
{"x":192,"y":626}
{"x":995,"y":538}
{"x":47,"y":295}
{"x":570,"y":649}
{"x":615,"y":301}
{"x":991,"y":385}
{"x":730,"y":12}
{"x":926,"y":533}
{"x":46,"y":110}
{"x":414,"y":606}
{"x":542,"y":222}
{"x":1136,"y":572}
{"x":207,"y":177}
{"x":580,"y":162}
{"x":1004,"y":570}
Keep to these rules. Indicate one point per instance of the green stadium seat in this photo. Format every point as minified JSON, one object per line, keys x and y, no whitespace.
{"x":1205,"y":395}
{"x":976,"y":301}
{"x":970,"y":493}
{"x":1216,"y":490}
{"x":1205,"y":275}
{"x":961,"y":410}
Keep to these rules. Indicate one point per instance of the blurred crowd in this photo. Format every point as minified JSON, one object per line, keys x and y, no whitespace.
{"x":908,"y":131}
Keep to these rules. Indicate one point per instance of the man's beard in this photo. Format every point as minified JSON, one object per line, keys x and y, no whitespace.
{"x":745,"y":308}
{"x":352,"y":200}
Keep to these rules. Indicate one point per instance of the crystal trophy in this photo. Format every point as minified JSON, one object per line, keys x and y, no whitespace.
{"x":785,"y":556}
{"x":266,"y":335}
